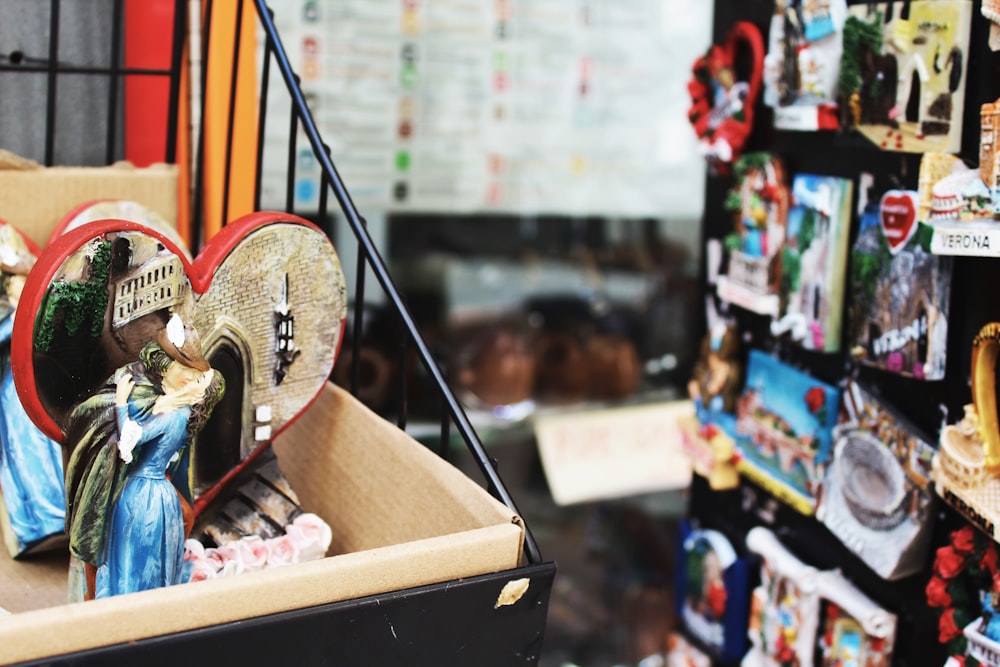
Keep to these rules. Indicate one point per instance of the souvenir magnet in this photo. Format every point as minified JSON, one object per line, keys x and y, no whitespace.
{"x":803,"y":62}
{"x":964,"y":592}
{"x":876,"y":496}
{"x":784,"y":430}
{"x":900,"y":291}
{"x":722,"y":106}
{"x":966,"y":468}
{"x":814,"y":262}
{"x":854,"y":629}
{"x":902,"y":82}
{"x":707,"y":435}
{"x":712,"y":591}
{"x":753,"y":251}
{"x":784,"y":608}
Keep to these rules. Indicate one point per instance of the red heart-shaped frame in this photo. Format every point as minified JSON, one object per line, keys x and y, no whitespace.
{"x":255,"y":268}
{"x":898,"y":215}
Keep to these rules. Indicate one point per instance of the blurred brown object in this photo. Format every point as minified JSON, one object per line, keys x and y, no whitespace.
{"x":614,"y":367}
{"x":561,"y":369}
{"x":376,"y":374}
{"x":500,"y":369}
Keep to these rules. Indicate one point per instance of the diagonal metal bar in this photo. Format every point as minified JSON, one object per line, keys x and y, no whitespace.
{"x":378,"y":267}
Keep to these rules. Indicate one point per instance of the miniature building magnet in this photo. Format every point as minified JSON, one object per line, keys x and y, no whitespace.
{"x":966,"y":468}
{"x":900,"y":291}
{"x":760,"y":202}
{"x":919,"y":62}
{"x":876,"y":496}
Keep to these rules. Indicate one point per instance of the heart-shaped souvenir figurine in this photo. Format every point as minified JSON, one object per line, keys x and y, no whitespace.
{"x":118,"y":209}
{"x":266,"y":296}
{"x":722,"y":103}
{"x":898,"y":211}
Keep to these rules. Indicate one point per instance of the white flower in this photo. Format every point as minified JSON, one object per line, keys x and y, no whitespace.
{"x":131,"y":432}
{"x":311,"y":535}
{"x":194,"y":550}
{"x":281,"y":551}
{"x":219,"y":556}
{"x":253,"y":552}
{"x":232,"y":567}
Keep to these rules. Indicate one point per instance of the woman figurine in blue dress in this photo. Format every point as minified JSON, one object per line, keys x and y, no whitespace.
{"x":127,"y":480}
{"x":31,"y":471}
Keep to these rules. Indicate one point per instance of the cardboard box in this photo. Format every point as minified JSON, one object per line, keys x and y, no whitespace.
{"x":35,"y":199}
{"x":401,"y":517}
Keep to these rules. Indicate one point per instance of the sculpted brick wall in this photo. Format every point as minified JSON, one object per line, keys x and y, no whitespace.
{"x":239,"y":310}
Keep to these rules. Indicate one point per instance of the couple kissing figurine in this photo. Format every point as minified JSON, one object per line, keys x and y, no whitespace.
{"x":128,"y":489}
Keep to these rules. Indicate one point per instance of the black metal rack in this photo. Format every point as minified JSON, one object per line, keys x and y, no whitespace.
{"x":513,"y":639}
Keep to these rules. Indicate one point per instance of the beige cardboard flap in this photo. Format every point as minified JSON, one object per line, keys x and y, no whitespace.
{"x":406,"y":489}
{"x":36,"y":200}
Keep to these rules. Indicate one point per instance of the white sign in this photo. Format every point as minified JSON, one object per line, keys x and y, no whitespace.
{"x":968,"y":239}
{"x":613,"y":453}
{"x":537,"y":106}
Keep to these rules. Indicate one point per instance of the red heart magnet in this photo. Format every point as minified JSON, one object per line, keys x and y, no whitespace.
{"x":898,"y":213}
{"x":266,"y":296}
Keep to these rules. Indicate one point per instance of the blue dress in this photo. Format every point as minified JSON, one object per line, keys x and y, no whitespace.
{"x":31,"y":470}
{"x":145,"y":534}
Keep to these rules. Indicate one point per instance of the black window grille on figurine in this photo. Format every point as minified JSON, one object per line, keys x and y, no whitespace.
{"x":67,"y":98}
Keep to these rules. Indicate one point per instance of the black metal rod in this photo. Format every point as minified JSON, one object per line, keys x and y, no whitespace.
{"x":444,"y":446}
{"x":494,"y":482}
{"x":231,"y":115}
{"x":323,"y":218}
{"x":404,"y":397}
{"x":69,"y":69}
{"x":113,"y":76}
{"x":359,"y":320}
{"x":52,"y":70}
{"x":293,"y":140}
{"x":176,"y":66}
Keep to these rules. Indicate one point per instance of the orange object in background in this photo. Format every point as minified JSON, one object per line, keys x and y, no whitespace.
{"x":221,"y":68}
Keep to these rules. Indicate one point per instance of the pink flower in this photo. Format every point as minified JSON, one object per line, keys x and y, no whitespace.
{"x":254,"y":551}
{"x":202,"y":570}
{"x":194,"y":550}
{"x":222,"y":555}
{"x":311,"y":535}
{"x":281,"y":551}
